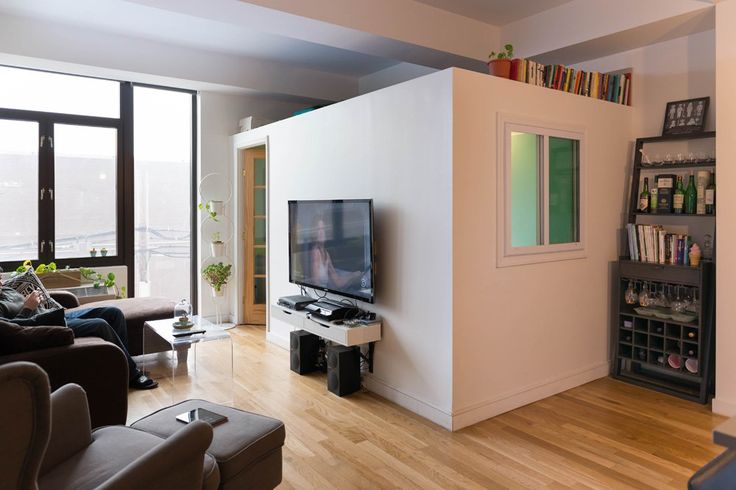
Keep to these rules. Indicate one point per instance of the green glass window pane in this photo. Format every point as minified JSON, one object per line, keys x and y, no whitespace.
{"x":259,"y":261}
{"x":260,"y":164}
{"x":564,"y":190}
{"x":259,"y":202}
{"x":525,"y":165}
{"x":259,"y":295}
{"x":260,"y":231}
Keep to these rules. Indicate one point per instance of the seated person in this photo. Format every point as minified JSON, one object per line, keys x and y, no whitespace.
{"x":105,"y":323}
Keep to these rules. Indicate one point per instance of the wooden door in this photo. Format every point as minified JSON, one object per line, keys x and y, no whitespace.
{"x":255,"y":236}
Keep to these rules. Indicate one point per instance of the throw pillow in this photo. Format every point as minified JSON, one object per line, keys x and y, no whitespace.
{"x":27,"y":282}
{"x":47,"y":318}
{"x":15,"y":339}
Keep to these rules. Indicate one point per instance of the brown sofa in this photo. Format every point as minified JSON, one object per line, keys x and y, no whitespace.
{"x":97,"y":366}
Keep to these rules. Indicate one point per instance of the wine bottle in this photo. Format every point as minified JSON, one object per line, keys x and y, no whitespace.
{"x":710,"y":195}
{"x":691,"y":196}
{"x":644,"y":197}
{"x":679,"y":196}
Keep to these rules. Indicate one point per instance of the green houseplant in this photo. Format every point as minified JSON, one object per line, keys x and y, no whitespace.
{"x":217,"y":275}
{"x":500,"y":63}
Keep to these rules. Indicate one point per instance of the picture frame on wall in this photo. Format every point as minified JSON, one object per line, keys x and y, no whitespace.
{"x":685,"y":116}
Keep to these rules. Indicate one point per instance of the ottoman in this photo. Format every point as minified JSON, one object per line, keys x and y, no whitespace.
{"x":247,"y":447}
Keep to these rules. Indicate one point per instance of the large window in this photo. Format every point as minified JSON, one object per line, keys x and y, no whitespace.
{"x":540,"y":193}
{"x":82,"y":187}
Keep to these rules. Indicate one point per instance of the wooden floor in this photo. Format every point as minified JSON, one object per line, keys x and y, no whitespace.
{"x":605,"y":434}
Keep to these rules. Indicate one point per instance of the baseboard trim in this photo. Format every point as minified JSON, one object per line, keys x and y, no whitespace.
{"x":409,"y":402}
{"x":278,"y":340}
{"x":518,"y":398}
{"x":722,"y":407}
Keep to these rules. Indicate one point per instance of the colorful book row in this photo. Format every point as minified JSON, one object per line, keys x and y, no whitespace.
{"x":613,"y":87}
{"x":654,"y":244}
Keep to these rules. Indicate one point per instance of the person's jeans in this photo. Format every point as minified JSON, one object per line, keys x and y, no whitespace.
{"x":107,"y":323}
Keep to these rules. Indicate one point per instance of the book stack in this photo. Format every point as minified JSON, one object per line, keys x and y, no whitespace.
{"x":613,"y":87}
{"x":654,"y":244}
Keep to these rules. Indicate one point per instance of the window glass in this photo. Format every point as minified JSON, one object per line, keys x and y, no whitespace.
{"x":19,"y":141}
{"x":525,"y":151}
{"x":85,"y":190}
{"x":32,"y":90}
{"x":163,"y":190}
{"x":564,"y":175}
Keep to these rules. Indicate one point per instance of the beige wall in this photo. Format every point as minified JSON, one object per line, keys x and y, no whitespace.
{"x":725,"y":401}
{"x":523,"y":333}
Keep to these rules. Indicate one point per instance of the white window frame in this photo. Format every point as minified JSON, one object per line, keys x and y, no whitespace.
{"x":508,"y":255}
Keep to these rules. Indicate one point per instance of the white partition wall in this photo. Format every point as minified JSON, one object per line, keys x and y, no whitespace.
{"x":462,"y":340}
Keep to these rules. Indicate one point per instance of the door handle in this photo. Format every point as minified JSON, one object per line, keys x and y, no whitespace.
{"x":43,"y":245}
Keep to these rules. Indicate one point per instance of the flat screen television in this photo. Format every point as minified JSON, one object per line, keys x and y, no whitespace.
{"x":331,"y":246}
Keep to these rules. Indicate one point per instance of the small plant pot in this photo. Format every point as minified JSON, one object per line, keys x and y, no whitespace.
{"x":218,"y":294}
{"x":218,"y":249}
{"x":500,"y":68}
{"x":217,"y":207}
{"x":103,"y":253}
{"x":93,"y":253}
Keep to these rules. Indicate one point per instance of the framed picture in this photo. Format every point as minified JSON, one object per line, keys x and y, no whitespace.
{"x":685,"y":116}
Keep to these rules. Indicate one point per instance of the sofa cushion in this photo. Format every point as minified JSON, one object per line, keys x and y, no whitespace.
{"x":15,"y":338}
{"x":94,"y":465}
{"x":137,"y":311}
{"x":51,"y":318}
{"x":27,"y":282}
{"x":241,"y":441}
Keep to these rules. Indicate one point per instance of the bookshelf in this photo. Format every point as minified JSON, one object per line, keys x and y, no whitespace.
{"x":653,"y":345}
{"x":611,"y":87}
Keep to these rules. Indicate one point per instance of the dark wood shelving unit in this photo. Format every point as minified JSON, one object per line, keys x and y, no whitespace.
{"x":671,"y":166}
{"x":642,"y":344}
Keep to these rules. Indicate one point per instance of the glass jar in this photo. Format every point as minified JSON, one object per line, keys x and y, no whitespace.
{"x":183,"y":312}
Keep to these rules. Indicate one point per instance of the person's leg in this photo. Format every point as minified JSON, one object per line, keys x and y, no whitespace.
{"x":113,"y":316}
{"x":97,"y":327}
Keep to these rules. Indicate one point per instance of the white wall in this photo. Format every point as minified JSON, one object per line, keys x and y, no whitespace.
{"x":682,"y":68}
{"x":393,"y":146}
{"x":725,"y":400}
{"x":523,"y":333}
{"x":392,"y":75}
{"x":218,"y":119}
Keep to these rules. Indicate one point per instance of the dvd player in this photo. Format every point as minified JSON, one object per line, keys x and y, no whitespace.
{"x":329,"y":310}
{"x":296,"y":302}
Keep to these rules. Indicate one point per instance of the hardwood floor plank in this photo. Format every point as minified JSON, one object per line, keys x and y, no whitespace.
{"x":605,"y":434}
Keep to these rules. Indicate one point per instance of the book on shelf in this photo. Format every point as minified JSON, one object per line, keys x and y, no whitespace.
{"x":656,"y":245}
{"x":613,"y":87}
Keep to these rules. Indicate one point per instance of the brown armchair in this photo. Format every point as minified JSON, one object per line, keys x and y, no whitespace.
{"x":47,"y":443}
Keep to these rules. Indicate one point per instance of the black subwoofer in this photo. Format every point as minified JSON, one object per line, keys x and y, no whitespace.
{"x":304,"y":351}
{"x":343,"y":370}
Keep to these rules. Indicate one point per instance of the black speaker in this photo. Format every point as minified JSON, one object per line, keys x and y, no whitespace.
{"x":343,"y":370}
{"x":304,"y":351}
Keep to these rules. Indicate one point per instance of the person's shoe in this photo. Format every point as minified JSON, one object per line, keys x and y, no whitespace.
{"x":143,"y":382}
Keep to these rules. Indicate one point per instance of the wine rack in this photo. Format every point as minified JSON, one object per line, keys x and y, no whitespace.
{"x":665,"y":354}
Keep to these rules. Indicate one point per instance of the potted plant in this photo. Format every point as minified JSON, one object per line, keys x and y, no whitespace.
{"x":103,"y":252}
{"x":500,"y":64}
{"x":217,"y":245}
{"x":217,"y":275}
{"x":213,"y":208}
{"x":93,"y":252}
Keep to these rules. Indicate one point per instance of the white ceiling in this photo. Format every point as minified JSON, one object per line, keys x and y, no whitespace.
{"x":495,"y":12}
{"x":145,"y":22}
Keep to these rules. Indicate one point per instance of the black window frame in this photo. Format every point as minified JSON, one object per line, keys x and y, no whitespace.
{"x":125,"y":184}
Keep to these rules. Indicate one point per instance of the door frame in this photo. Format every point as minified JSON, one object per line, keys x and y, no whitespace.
{"x":239,"y":218}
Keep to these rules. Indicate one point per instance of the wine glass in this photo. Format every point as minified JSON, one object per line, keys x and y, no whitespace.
{"x":678,"y":305}
{"x":695,"y":305}
{"x":662,"y":299}
{"x":630,"y":296}
{"x":644,"y":295}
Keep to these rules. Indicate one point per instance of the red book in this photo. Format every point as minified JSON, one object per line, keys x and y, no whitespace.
{"x":515,"y":63}
{"x":558,"y":76}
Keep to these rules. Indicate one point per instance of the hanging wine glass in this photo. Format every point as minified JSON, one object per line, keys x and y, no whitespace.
{"x":678,"y":304}
{"x":695,"y":305}
{"x":662,"y":299}
{"x":630,"y":296}
{"x":644,"y":295}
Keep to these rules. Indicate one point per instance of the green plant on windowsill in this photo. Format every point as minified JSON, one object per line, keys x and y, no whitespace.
{"x":500,"y":63}
{"x":209,"y":208}
{"x":217,"y":275}
{"x":98,"y":280}
{"x":507,"y":53}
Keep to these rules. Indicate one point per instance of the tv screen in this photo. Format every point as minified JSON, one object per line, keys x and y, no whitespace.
{"x":331,"y":246}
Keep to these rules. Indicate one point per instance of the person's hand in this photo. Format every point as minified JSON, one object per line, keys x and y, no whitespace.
{"x":32,"y":300}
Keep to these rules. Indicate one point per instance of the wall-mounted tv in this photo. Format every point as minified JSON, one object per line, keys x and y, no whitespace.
{"x":331,"y":246}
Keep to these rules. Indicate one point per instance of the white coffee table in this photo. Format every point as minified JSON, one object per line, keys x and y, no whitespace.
{"x":206,"y":373}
